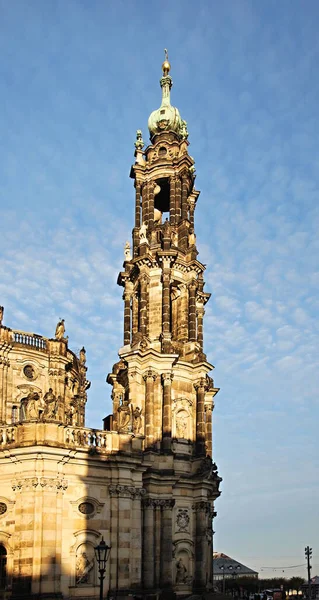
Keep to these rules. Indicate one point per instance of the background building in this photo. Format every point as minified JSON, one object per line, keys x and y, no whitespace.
{"x":225,"y":567}
{"x":146,"y":482}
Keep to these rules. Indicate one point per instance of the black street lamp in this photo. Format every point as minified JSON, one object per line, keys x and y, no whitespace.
{"x":102,"y":552}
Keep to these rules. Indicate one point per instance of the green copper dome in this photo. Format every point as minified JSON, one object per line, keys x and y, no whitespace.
{"x":166,"y":117}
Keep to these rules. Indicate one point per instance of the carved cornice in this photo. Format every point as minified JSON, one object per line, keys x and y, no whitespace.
{"x":126,"y":491}
{"x":29,"y":483}
{"x":162,"y":503}
{"x":204,"y":506}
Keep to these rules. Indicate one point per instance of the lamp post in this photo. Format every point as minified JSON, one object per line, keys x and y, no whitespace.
{"x":102,"y":552}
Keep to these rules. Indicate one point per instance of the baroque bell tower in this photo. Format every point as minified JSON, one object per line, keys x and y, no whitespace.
{"x":162,"y":390}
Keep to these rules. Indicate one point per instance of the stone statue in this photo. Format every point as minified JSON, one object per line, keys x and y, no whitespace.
{"x":191,"y":237}
{"x":1,"y":314}
{"x":60,"y":330}
{"x":142,"y":234}
{"x":125,"y":424}
{"x":127,"y":251}
{"x":82,"y":356}
{"x":157,"y":216}
{"x":181,"y":572}
{"x":50,"y":404}
{"x":137,"y":420}
{"x":183,"y":130}
{"x":181,"y":425}
{"x":31,"y":409}
{"x":174,"y":239}
{"x":84,"y":567}
{"x":139,"y":144}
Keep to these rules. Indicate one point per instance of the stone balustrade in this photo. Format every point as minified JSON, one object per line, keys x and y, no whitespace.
{"x":88,"y":438}
{"x":48,"y":433}
{"x":8,"y":435}
{"x":30,"y":339}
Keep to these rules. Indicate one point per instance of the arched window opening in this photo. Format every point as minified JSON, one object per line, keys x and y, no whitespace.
{"x":161,"y":201}
{"x":3,"y":567}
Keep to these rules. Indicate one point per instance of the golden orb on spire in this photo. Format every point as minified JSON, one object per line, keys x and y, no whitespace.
{"x":166,"y":65}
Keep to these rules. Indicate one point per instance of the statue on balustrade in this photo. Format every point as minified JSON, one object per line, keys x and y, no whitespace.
{"x":60,"y":330}
{"x":50,"y":407}
{"x":82,"y":356}
{"x":137,"y":420}
{"x":125,"y":420}
{"x":31,"y":406}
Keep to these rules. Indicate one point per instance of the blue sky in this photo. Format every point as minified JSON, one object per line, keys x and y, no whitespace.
{"x":77,"y":79}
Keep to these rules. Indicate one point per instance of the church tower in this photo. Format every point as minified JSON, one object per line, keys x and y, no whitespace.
{"x":162,"y":390}
{"x":146,"y":483}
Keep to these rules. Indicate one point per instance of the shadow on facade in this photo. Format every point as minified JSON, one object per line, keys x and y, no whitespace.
{"x":64,"y":494}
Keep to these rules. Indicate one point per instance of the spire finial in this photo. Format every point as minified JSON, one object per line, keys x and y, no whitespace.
{"x":166,"y":65}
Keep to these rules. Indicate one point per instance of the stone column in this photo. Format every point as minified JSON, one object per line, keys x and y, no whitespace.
{"x":134,"y":315}
{"x":148,"y":544}
{"x":4,"y":367}
{"x":137,"y":204}
{"x":124,"y":536}
{"x":202,"y":510}
{"x":143,"y":303}
{"x":183,"y":316}
{"x":167,"y":410}
{"x":178,"y":200}
{"x":191,"y":204}
{"x":166,"y":578}
{"x":200,"y":388}
{"x":149,"y":378}
{"x":127,"y":316}
{"x":151,"y":187}
{"x":2,"y":405}
{"x":184,"y":197}
{"x":157,"y":542}
{"x":144,"y":203}
{"x":200,"y":316}
{"x":192,"y":311}
{"x":166,"y":306}
{"x":136,"y":538}
{"x":208,"y":436}
{"x":172,"y":200}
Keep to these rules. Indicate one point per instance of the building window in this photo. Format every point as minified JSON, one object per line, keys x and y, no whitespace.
{"x":14,"y":414}
{"x":29,"y":372}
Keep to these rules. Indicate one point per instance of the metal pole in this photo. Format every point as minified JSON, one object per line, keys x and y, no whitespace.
{"x":102,"y":571}
{"x":308,"y":553}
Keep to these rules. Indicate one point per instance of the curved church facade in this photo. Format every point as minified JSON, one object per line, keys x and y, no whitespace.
{"x":146,"y":481}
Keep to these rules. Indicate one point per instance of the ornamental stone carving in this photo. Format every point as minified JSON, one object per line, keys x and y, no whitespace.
{"x":150,"y":374}
{"x":50,"y":483}
{"x":164,"y":503}
{"x":126,"y":491}
{"x":182,"y":520}
{"x":137,"y":420}
{"x":203,"y":506}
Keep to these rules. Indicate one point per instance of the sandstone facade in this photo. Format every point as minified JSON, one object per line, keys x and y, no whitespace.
{"x":146,"y":481}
